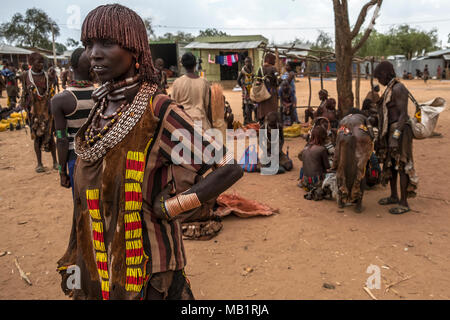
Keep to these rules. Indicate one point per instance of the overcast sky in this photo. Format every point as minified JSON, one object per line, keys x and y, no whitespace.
{"x":277,"y":20}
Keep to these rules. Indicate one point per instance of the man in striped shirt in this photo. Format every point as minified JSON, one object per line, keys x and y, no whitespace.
{"x":70,"y":110}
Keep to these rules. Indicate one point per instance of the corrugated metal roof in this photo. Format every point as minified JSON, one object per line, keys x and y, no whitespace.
{"x":438,"y":53}
{"x":225,"y":46}
{"x":50,"y":56}
{"x":7,"y":49}
{"x":243,"y":38}
{"x":446,"y":56}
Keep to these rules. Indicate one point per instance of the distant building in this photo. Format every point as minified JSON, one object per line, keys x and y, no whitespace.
{"x":16,"y":55}
{"x":223,"y":56}
{"x":170,"y":51}
{"x":433,"y":59}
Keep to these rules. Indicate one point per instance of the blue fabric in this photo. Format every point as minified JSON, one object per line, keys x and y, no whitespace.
{"x":71,"y":166}
{"x":249,"y":159}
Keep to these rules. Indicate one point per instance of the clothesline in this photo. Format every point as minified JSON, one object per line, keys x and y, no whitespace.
{"x":226,"y":60}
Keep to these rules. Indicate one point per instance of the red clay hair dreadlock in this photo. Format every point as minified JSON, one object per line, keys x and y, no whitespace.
{"x":123,"y":26}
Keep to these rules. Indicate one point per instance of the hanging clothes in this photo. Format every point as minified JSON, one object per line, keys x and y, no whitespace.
{"x":229,"y":62}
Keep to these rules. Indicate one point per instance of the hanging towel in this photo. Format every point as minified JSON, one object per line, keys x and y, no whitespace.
{"x":236,"y":56}
{"x":211,"y":60}
{"x":229,"y":63}
{"x":233,"y":59}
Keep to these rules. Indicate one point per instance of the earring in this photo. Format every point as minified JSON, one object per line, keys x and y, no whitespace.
{"x":137,"y":65}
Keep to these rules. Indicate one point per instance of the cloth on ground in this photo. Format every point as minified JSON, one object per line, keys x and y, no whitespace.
{"x":242,"y":207}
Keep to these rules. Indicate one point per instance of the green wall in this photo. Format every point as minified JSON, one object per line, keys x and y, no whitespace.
{"x":212,"y":70}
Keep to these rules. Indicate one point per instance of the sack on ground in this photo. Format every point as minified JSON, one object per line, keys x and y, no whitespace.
{"x":424,"y":123}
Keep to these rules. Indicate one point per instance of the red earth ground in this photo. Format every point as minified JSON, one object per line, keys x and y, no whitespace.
{"x":290,"y":255}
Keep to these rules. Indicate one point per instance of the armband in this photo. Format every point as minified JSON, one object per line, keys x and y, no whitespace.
{"x":62,"y":133}
{"x":225,"y":160}
{"x":181,"y":203}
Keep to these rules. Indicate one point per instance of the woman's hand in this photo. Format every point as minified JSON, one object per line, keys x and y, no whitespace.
{"x":159,"y":208}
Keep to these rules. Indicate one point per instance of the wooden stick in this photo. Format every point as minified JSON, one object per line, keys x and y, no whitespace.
{"x":358,"y":85}
{"x":369,"y":293}
{"x":310,"y":90}
{"x":432,"y":198}
{"x":321,"y":75}
{"x":395,"y":283}
{"x":22,"y":274}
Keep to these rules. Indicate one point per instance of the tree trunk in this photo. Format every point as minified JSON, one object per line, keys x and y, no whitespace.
{"x":344,"y":83}
{"x":345,"y":50}
{"x":344,"y":57}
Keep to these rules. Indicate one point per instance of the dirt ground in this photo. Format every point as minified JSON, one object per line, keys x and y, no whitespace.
{"x":291,"y":254}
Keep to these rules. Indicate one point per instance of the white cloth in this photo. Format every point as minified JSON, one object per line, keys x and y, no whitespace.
{"x":429,"y":116}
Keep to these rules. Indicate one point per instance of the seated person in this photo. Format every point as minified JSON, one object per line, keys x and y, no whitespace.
{"x":228,"y":115}
{"x":330,"y":113}
{"x":374,"y":95}
{"x":287,"y":104}
{"x":366,"y":107}
{"x":273,"y":122}
{"x":315,"y":164}
{"x":323,"y":96}
{"x":309,"y":114}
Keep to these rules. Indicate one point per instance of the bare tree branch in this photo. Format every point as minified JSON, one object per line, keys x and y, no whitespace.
{"x":369,"y":28}
{"x":362,"y":17}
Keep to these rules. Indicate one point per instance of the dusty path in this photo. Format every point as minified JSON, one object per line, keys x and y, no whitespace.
{"x":291,"y":254}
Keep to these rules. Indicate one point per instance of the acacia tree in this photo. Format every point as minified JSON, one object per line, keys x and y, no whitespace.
{"x":346,"y":48}
{"x":34,"y":29}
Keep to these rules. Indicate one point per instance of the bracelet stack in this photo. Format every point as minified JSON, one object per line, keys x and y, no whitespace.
{"x":181,"y":203}
{"x":225,"y":160}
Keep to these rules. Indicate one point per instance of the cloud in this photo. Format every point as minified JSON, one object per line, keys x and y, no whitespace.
{"x":281,"y":20}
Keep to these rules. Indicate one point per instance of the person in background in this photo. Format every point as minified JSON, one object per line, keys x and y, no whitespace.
{"x":193,"y":92}
{"x":53,"y":79}
{"x":315,"y":164}
{"x":287,"y":104}
{"x":12,"y":89}
{"x":289,"y":76}
{"x":70,"y":110}
{"x":245,"y":81}
{"x":66,"y":76}
{"x":323,"y":96}
{"x":161,"y":74}
{"x":426,"y":74}
{"x":2,"y":80}
{"x":35,"y":99}
{"x":395,"y":141}
{"x":23,"y":70}
{"x":271,"y":81}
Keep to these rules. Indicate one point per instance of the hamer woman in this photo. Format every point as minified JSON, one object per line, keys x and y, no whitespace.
{"x":36,"y":96}
{"x":126,"y":237}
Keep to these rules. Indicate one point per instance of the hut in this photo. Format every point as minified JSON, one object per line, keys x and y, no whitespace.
{"x":16,"y":55}
{"x":222,"y":57}
{"x":170,"y":51}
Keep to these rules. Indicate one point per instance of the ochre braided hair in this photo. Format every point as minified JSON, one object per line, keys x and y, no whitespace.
{"x":125,"y":27}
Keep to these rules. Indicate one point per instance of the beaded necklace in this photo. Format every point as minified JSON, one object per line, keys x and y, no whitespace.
{"x":30,"y":77}
{"x":116,"y":129}
{"x":80,"y":83}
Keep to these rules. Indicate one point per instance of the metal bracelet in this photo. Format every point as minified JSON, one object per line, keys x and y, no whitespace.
{"x":225,"y":160}
{"x":182,"y":203}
